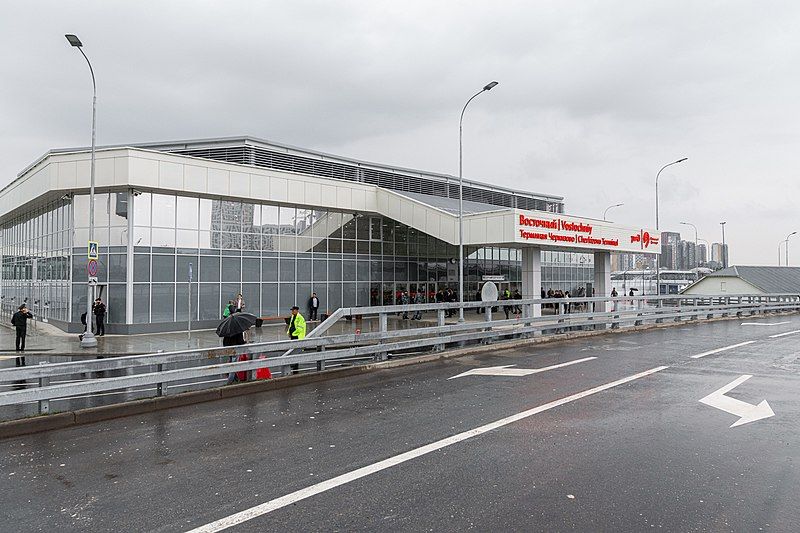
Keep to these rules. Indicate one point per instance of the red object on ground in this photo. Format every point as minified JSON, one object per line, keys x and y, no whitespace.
{"x":242,"y":376}
{"x":263,"y":373}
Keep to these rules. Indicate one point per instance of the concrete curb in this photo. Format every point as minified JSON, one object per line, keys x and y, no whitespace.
{"x":37,"y":424}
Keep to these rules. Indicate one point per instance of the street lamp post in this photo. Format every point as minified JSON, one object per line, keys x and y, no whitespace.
{"x":487,"y":87}
{"x":89,"y":340}
{"x":658,"y":230}
{"x":787,"y":246}
{"x":779,"y":252}
{"x":724,"y":255}
{"x":610,"y":207}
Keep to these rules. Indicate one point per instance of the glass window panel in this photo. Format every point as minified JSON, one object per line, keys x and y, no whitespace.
{"x":251,"y":241}
{"x":186,"y":238}
{"x":232,"y":269}
{"x":251,"y":269}
{"x":230,"y":291}
{"x":115,"y":298}
{"x":303,"y":222}
{"x":141,"y":303}
{"x":269,"y":219}
{"x":303,"y":270}
{"x":141,"y":267}
{"x":205,"y":240}
{"x":269,"y":299}
{"x":209,"y":268}
{"x":118,"y":267}
{"x":182,"y":301}
{"x":118,"y":212}
{"x":210,"y":306}
{"x":349,"y":295}
{"x":188,"y":212}
{"x":141,"y":209}
{"x":335,"y":270}
{"x":163,"y":302}
{"x":286,"y":220}
{"x":286,"y":298}
{"x":80,"y":208}
{"x":141,"y":236}
{"x":163,"y":268}
{"x":287,"y":265}
{"x":206,"y":209}
{"x":269,"y":269}
{"x":182,"y":270}
{"x":163,"y":237}
{"x":163,"y":212}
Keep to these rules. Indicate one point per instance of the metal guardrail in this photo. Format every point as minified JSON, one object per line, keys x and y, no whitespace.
{"x":318,"y":349}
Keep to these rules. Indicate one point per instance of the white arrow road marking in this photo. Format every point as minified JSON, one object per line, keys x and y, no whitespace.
{"x":784,"y":334}
{"x":746,"y":412}
{"x":506,"y":370}
{"x":764,"y":323}
{"x":698,"y":356}
{"x":348,"y":477}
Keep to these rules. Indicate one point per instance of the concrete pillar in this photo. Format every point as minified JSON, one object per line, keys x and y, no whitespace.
{"x":532,"y":276}
{"x":602,"y":277}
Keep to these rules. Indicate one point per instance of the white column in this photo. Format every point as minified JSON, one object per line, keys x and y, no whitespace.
{"x":129,"y":260}
{"x":532,"y":276}
{"x":602,"y":276}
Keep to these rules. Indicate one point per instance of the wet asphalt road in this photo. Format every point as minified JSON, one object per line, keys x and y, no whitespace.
{"x":641,"y":455}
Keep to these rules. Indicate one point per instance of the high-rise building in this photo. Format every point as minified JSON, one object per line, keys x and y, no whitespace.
{"x":702,"y":254}
{"x":670,"y":243}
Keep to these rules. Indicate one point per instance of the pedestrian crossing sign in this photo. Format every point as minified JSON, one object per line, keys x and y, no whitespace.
{"x":94,"y":250}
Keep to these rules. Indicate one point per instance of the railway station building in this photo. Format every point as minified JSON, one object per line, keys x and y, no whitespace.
{"x":183,"y":227}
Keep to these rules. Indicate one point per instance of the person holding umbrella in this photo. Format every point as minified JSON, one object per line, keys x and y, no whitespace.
{"x":232,"y":331}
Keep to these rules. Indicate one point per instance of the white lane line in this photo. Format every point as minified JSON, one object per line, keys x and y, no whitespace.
{"x":784,"y":334}
{"x":698,"y":356}
{"x":764,"y":323}
{"x":302,"y":494}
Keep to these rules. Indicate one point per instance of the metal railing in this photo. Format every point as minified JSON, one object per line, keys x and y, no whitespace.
{"x":318,"y":350}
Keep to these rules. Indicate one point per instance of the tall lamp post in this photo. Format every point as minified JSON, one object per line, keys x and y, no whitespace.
{"x":787,"y":246}
{"x":610,"y":207}
{"x":89,"y":340}
{"x":658,"y":230}
{"x":724,"y":254}
{"x":487,"y":87}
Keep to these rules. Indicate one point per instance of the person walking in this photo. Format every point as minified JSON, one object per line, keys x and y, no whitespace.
{"x":404,"y":300}
{"x":20,"y":322}
{"x":313,"y":306}
{"x":517,"y":307}
{"x":296,"y":331}
{"x":417,"y":300}
{"x":233,"y":340}
{"x":99,"y":309}
{"x":614,"y":292}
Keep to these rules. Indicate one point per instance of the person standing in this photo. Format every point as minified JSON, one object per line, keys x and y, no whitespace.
{"x":239,"y":305}
{"x":313,"y":306}
{"x":517,"y":296}
{"x":417,"y":300}
{"x":20,"y":323}
{"x":404,"y":300}
{"x":99,"y":309}
{"x":230,"y":307}
{"x":296,"y":331}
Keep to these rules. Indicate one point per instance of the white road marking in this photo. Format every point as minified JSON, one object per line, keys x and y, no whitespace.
{"x":710,"y":352}
{"x":746,"y":412}
{"x":764,"y":323}
{"x":506,"y":370}
{"x":784,"y":334}
{"x":302,"y":494}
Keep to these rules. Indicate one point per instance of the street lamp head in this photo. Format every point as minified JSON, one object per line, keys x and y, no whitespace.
{"x":73,"y":40}
{"x":681,"y":160}
{"x":490,"y":86}
{"x":793,"y":233}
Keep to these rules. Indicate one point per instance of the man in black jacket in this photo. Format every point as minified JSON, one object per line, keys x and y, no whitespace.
{"x":99,"y":309}
{"x":313,"y":306}
{"x":20,"y":323}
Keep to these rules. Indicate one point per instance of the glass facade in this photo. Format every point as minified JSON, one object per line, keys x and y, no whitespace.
{"x":36,"y":261}
{"x":276,"y":256}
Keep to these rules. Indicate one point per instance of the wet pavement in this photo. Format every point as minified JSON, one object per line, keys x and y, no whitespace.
{"x":608,"y":434}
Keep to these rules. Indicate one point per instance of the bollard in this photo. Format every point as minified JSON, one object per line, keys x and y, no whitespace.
{"x":44,"y":405}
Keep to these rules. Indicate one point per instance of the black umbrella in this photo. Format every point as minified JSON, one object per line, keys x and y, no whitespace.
{"x":235,"y":324}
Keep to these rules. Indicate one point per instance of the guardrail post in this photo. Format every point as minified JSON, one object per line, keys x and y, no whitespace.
{"x":320,"y":362}
{"x":44,"y":405}
{"x":638,"y":322}
{"x":160,"y":386}
{"x":727,"y":304}
{"x":440,"y":316}
{"x":383,"y":325}
{"x":680,"y":310}
{"x":527,"y":315}
{"x":614,"y":320}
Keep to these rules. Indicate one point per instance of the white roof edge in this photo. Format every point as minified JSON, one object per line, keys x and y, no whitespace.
{"x":247,"y":138}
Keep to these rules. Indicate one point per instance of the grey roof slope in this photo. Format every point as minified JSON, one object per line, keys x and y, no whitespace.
{"x":451,"y":204}
{"x":769,"y":279}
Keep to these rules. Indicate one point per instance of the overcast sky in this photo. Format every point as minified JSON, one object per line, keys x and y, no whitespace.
{"x":594,"y":97}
